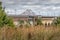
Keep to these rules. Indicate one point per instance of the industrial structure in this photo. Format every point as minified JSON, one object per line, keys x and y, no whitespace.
{"x":28,"y":15}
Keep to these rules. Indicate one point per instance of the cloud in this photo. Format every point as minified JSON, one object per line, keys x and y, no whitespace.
{"x":7,"y":2}
{"x":0,"y":0}
{"x":38,"y":6}
{"x":11,"y":2}
{"x":55,"y":1}
{"x":33,"y":1}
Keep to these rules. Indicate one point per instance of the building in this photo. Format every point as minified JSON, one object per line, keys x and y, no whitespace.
{"x":47,"y":20}
{"x":30,"y":16}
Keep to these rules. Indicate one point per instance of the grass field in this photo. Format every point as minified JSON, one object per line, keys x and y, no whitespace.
{"x":31,"y":33}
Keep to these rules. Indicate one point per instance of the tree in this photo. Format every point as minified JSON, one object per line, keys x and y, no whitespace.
{"x":4,"y":20}
{"x":56,"y":22}
{"x":21,"y":22}
{"x":39,"y":22}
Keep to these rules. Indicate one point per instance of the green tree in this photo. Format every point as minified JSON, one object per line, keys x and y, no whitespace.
{"x":39,"y":21}
{"x":56,"y":22}
{"x":21,"y":22}
{"x":4,"y":19}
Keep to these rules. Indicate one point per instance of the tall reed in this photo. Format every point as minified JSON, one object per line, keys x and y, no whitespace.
{"x":30,"y":33}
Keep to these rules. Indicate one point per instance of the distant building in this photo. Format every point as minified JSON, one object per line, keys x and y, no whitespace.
{"x":48,"y":20}
{"x":28,"y":15}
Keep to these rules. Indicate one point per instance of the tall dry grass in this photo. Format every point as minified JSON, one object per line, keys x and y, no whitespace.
{"x":31,"y":33}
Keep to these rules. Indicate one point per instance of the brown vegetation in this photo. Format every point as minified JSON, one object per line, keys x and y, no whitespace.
{"x":31,"y":33}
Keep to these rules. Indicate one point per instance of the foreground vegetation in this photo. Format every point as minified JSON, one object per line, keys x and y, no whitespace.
{"x":31,"y":33}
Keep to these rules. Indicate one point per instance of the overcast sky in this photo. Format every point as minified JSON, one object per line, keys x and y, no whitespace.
{"x":38,"y":6}
{"x":30,"y":2}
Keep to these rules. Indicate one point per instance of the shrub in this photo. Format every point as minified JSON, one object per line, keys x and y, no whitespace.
{"x":39,"y":22}
{"x":27,"y":25}
{"x":21,"y":22}
{"x":56,"y":22}
{"x":9,"y":22}
{"x":4,"y":20}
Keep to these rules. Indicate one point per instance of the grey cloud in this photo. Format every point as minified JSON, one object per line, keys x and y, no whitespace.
{"x":13,"y":3}
{"x":35,"y":1}
{"x":55,"y":1}
{"x":9,"y":3}
{"x":0,"y":0}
